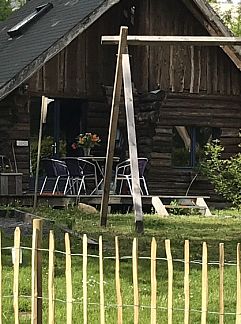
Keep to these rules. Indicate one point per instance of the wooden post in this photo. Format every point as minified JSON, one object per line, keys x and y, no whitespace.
{"x":43,"y":112}
{"x":102,"y":296}
{"x":130,"y":118}
{"x":186,"y":282}
{"x":153,"y":281}
{"x":85,"y":297}
{"x":170,"y":281}
{"x":204,"y":284}
{"x":51,"y":294}
{"x":37,"y":272}
{"x":68,"y":275}
{"x":113,"y":125}
{"x":117,"y":282}
{"x":16,"y":261}
{"x":238,"y":302}
{"x":221,"y":283}
{"x":135,"y":280}
{"x":1,"y":308}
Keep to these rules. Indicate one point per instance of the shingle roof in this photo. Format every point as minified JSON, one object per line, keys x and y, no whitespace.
{"x":66,"y":15}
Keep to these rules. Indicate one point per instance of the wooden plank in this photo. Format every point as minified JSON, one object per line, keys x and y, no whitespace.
{"x":117,"y":283}
{"x":1,"y":306}
{"x":85,"y":296}
{"x":221,"y":283}
{"x":186,"y":282}
{"x":173,"y":40}
{"x":16,"y":274}
{"x":135,"y":281}
{"x":170,"y":281}
{"x":131,"y":131}
{"x":159,"y":206}
{"x":68,"y":276}
{"x":51,"y":294}
{"x":34,"y":294}
{"x":204,"y":284}
{"x":238,"y":301}
{"x":113,"y":126}
{"x":102,"y":297}
{"x":153,"y":281}
{"x":200,"y":202}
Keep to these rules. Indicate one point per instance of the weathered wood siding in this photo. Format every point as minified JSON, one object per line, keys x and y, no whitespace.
{"x":201,"y":83}
{"x":14,"y":125}
{"x":184,"y":110}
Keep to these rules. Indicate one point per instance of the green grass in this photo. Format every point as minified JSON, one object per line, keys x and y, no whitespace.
{"x":224,"y":227}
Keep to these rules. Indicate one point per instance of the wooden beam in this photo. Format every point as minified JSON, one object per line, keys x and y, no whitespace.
{"x":131,"y":131}
{"x":173,"y":40}
{"x":113,"y":125}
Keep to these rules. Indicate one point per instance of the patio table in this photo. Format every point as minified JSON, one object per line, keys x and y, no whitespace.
{"x":100,"y":164}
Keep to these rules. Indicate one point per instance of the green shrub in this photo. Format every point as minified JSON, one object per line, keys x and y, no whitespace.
{"x":46,"y":150}
{"x":224,"y":174}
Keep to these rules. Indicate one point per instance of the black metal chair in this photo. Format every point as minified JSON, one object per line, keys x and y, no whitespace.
{"x":57,"y":177}
{"x":123,"y":175}
{"x":81,"y":171}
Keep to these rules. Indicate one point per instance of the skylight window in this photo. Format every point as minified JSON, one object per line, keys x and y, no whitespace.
{"x":18,"y":29}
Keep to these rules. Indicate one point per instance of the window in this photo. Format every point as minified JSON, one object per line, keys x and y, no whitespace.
{"x":18,"y":29}
{"x":188,"y":144}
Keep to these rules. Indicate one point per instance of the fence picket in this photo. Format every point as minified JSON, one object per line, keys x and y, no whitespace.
{"x":34,"y":293}
{"x":170,"y":280}
{"x":51,"y":315}
{"x":102,"y":297}
{"x":221,"y":283}
{"x":204,"y":284}
{"x":135,"y":280}
{"x":186,"y":282}
{"x":117,"y":282}
{"x":238,"y":305}
{"x":153,"y":281}
{"x":85,"y":256}
{"x":1,"y":308}
{"x":68,"y":274}
{"x":16,"y":261}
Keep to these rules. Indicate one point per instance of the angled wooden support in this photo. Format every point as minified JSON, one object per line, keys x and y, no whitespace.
{"x":200,"y":202}
{"x":159,"y":207}
{"x":130,"y":118}
{"x":113,"y":125}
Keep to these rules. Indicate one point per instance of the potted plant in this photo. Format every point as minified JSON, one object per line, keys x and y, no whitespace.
{"x":86,"y":141}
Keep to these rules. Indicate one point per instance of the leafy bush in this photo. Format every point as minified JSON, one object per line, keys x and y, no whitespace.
{"x":46,"y":150}
{"x":224,"y":174}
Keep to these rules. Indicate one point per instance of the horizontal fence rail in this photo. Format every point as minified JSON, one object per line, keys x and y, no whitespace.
{"x":61,"y":268}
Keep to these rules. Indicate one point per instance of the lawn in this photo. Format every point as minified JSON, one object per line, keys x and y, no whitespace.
{"x":224,"y":227}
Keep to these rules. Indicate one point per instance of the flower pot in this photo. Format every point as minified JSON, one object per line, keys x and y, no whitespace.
{"x":86,"y":151}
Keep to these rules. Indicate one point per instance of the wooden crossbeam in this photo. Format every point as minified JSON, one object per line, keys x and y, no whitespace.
{"x":173,"y":40}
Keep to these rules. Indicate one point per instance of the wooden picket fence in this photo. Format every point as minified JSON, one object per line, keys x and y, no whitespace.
{"x":36,"y":281}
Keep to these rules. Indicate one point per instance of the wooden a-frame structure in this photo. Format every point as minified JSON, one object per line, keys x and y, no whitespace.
{"x":123,"y":72}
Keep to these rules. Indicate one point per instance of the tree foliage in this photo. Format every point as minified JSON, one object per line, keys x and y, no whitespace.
{"x":5,"y":9}
{"x":224,"y":174}
{"x":231,"y":17}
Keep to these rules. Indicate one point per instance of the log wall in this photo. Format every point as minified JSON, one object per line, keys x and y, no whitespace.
{"x":202,"y":85}
{"x":84,"y":65}
{"x":14,"y":125}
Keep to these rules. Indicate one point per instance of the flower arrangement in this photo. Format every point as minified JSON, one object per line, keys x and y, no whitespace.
{"x":87,"y":140}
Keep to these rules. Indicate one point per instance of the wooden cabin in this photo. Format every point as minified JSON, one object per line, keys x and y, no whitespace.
{"x":184,"y":95}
